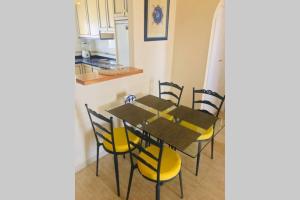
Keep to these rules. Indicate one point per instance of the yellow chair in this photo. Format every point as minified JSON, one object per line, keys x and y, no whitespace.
{"x":156,"y":163}
{"x":170,"y":163}
{"x":119,"y":140}
{"x":205,"y":135}
{"x":209,"y":133}
{"x":114,"y":139}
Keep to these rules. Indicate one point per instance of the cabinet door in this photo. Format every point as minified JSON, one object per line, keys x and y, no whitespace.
{"x":82,"y":17}
{"x":110,"y":15}
{"x":126,"y":8}
{"x":77,"y":69}
{"x":92,"y":7}
{"x":119,"y":7}
{"x":88,"y":69}
{"x":102,"y":6}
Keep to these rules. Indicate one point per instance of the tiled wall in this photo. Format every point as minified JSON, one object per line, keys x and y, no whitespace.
{"x":97,"y":47}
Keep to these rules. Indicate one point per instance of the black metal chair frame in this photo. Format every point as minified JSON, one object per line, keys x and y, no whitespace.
{"x":129,"y":99}
{"x":99,"y":144}
{"x":134,"y":166}
{"x":171,"y":84}
{"x":218,"y":108}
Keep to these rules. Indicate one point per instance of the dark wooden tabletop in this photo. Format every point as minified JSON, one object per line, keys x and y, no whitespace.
{"x":172,"y":133}
{"x":131,"y":113}
{"x":201,"y":119}
{"x":155,"y":102}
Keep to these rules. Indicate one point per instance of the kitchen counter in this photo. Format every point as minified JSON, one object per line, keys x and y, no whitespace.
{"x":101,"y":69}
{"x":97,"y":61}
{"x":106,"y":75}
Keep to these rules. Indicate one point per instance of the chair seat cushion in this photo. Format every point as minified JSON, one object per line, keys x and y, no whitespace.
{"x":170,"y":163}
{"x":205,"y":134}
{"x":120,"y":140}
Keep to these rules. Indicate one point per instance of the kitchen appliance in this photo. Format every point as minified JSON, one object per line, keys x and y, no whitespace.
{"x":85,"y":53}
{"x":85,"y":49}
{"x":122,"y":42}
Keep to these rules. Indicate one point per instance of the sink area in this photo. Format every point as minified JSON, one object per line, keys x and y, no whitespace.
{"x":101,"y":63}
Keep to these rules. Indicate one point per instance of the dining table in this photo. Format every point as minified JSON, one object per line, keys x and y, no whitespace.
{"x":162,"y":119}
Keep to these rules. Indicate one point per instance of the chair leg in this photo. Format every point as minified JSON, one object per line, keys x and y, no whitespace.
{"x":212,"y":147}
{"x":157,"y":191}
{"x":181,"y":189}
{"x":148,"y":143}
{"x":117,"y":173}
{"x":97,"y":164}
{"x":129,"y":184}
{"x":124,"y":155}
{"x":198,"y":158}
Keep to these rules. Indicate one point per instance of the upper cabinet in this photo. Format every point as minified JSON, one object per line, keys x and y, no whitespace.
{"x":82,"y":18}
{"x":110,"y":14}
{"x":121,"y":8}
{"x":92,"y":10}
{"x":95,"y":17}
{"x":103,"y":15}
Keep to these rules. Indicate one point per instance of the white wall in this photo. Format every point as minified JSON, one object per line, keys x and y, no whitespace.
{"x":97,"y":46}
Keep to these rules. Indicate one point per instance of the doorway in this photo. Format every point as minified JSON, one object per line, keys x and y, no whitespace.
{"x":215,"y":67}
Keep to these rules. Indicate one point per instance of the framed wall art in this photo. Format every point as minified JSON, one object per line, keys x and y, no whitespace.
{"x":156,"y":20}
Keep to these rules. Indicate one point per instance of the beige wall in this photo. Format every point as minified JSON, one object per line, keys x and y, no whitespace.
{"x":155,"y":57}
{"x":192,"y":34}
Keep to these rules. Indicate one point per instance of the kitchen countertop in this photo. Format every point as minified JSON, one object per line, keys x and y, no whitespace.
{"x":97,"y":61}
{"x":108,"y":69}
{"x":96,"y":77}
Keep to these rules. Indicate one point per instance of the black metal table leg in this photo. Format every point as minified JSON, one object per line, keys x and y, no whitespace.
{"x":198,"y":158}
{"x":129,"y":184}
{"x":181,"y":189}
{"x":97,"y":164}
{"x":117,"y":173}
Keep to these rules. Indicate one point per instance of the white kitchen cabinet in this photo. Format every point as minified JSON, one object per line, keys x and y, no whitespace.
{"x":94,"y":17}
{"x":82,"y":18}
{"x":103,"y":15}
{"x":110,"y":15}
{"x":92,"y":8}
{"x":120,"y":8}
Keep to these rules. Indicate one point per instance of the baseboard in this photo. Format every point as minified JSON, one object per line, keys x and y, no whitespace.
{"x":89,"y":161}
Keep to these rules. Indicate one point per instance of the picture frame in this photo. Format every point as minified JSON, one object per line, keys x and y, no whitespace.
{"x":156,"y":20}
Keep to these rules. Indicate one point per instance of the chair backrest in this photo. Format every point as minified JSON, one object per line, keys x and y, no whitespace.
{"x":204,"y":100}
{"x":100,"y":130}
{"x":158,"y":144}
{"x":130,"y":98}
{"x":170,"y":93}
